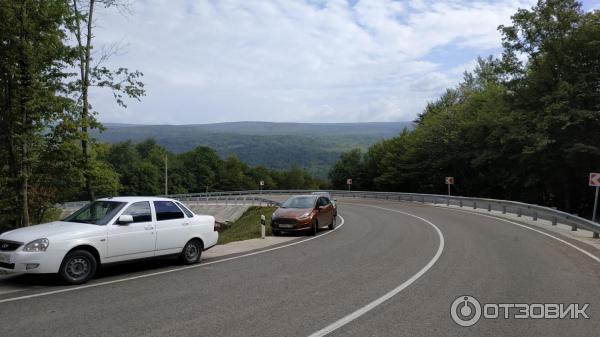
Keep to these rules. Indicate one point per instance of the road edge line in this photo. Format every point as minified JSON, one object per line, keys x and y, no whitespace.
{"x":581,"y":250}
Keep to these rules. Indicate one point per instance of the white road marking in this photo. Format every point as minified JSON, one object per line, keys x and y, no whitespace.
{"x":594,"y":257}
{"x":356,"y":314}
{"x":170,"y":270}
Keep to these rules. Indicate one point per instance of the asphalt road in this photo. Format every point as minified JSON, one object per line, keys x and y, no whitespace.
{"x":418,"y":258}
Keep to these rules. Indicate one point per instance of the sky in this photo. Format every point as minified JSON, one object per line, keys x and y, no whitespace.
{"x":207,"y":61}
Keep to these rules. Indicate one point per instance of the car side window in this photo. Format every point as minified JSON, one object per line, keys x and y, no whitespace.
{"x":185,"y":210}
{"x":167,"y":210}
{"x":140,"y":211}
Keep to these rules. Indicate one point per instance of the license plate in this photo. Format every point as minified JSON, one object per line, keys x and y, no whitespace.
{"x":286,"y":226}
{"x":5,"y":258}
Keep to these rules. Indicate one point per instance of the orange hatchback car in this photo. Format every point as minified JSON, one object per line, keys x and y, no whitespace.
{"x":304,"y":213}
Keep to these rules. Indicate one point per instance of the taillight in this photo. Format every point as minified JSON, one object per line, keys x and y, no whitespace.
{"x":216,"y":226}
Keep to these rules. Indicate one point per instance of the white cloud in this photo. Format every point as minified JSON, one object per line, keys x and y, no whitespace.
{"x":284,"y":60}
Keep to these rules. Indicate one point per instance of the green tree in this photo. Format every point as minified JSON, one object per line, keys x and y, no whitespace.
{"x":122,"y":82}
{"x":558,"y":97}
{"x":350,"y":165}
{"x":33,"y":59}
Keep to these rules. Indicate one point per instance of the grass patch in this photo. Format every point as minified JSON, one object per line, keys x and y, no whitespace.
{"x":248,"y":225}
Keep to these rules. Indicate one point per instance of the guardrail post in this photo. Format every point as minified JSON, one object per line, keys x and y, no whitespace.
{"x":423,"y":200}
{"x":489,"y":207}
{"x":519,"y":212}
{"x":596,"y":235}
{"x":448,"y":202}
{"x":460,"y":203}
{"x":554,"y":221}
{"x":534,"y":216}
{"x":474,"y":204}
{"x":503,"y":209}
{"x":573,"y":228}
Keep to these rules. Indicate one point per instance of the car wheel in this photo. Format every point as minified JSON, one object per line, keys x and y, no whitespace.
{"x":333,"y":223}
{"x":276,"y":232}
{"x":191,"y":252}
{"x":315,"y":227}
{"x":78,"y":267}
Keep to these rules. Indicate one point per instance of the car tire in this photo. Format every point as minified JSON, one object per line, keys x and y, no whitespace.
{"x":276,"y":232}
{"x":78,"y":267}
{"x":191,"y":253}
{"x":333,"y":223}
{"x":315,"y":227}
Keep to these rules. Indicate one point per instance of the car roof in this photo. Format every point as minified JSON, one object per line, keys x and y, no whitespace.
{"x":325,"y":193}
{"x":136,"y":199}
{"x":304,"y":196}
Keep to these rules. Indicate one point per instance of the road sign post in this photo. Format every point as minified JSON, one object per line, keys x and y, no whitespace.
{"x":449,"y":181}
{"x":595,"y":181}
{"x":595,"y":204}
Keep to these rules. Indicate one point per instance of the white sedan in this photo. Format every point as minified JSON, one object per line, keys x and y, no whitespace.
{"x":106,"y":231}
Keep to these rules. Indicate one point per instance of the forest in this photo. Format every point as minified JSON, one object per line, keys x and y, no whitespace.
{"x":314,"y":147}
{"x":524,"y":126}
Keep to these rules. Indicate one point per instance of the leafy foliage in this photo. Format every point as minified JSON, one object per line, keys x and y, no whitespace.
{"x":314,"y":147}
{"x":513,"y":129}
{"x":140,"y":168}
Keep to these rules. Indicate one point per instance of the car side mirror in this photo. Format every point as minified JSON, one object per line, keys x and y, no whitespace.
{"x":125,"y":220}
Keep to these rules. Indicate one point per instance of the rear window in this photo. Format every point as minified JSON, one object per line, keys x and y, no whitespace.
{"x":167,"y":210}
{"x":186,"y":210}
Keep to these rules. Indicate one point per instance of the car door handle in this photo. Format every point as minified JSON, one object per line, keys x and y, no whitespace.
{"x":185,"y":224}
{"x":149,"y":227}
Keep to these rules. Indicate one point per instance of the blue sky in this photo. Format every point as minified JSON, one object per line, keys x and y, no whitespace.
{"x":296,"y":60}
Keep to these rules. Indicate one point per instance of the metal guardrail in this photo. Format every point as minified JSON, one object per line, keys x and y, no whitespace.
{"x":227,"y":199}
{"x":505,"y":206}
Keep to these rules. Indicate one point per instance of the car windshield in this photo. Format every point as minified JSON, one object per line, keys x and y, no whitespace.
{"x":299,"y":202}
{"x":96,"y":213}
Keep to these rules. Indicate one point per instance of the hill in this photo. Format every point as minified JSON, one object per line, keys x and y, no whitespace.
{"x":313,"y":146}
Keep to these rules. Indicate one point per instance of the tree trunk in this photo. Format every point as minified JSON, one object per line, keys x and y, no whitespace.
{"x":25,"y":84}
{"x":84,"y":68}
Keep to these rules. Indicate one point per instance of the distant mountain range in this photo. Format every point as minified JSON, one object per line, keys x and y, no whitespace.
{"x":313,"y":146}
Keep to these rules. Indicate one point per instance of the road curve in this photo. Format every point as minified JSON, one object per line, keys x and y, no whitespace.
{"x":303,"y":288}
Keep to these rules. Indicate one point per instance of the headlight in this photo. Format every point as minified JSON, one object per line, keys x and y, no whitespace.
{"x":305,"y":215}
{"x":39,"y":245}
